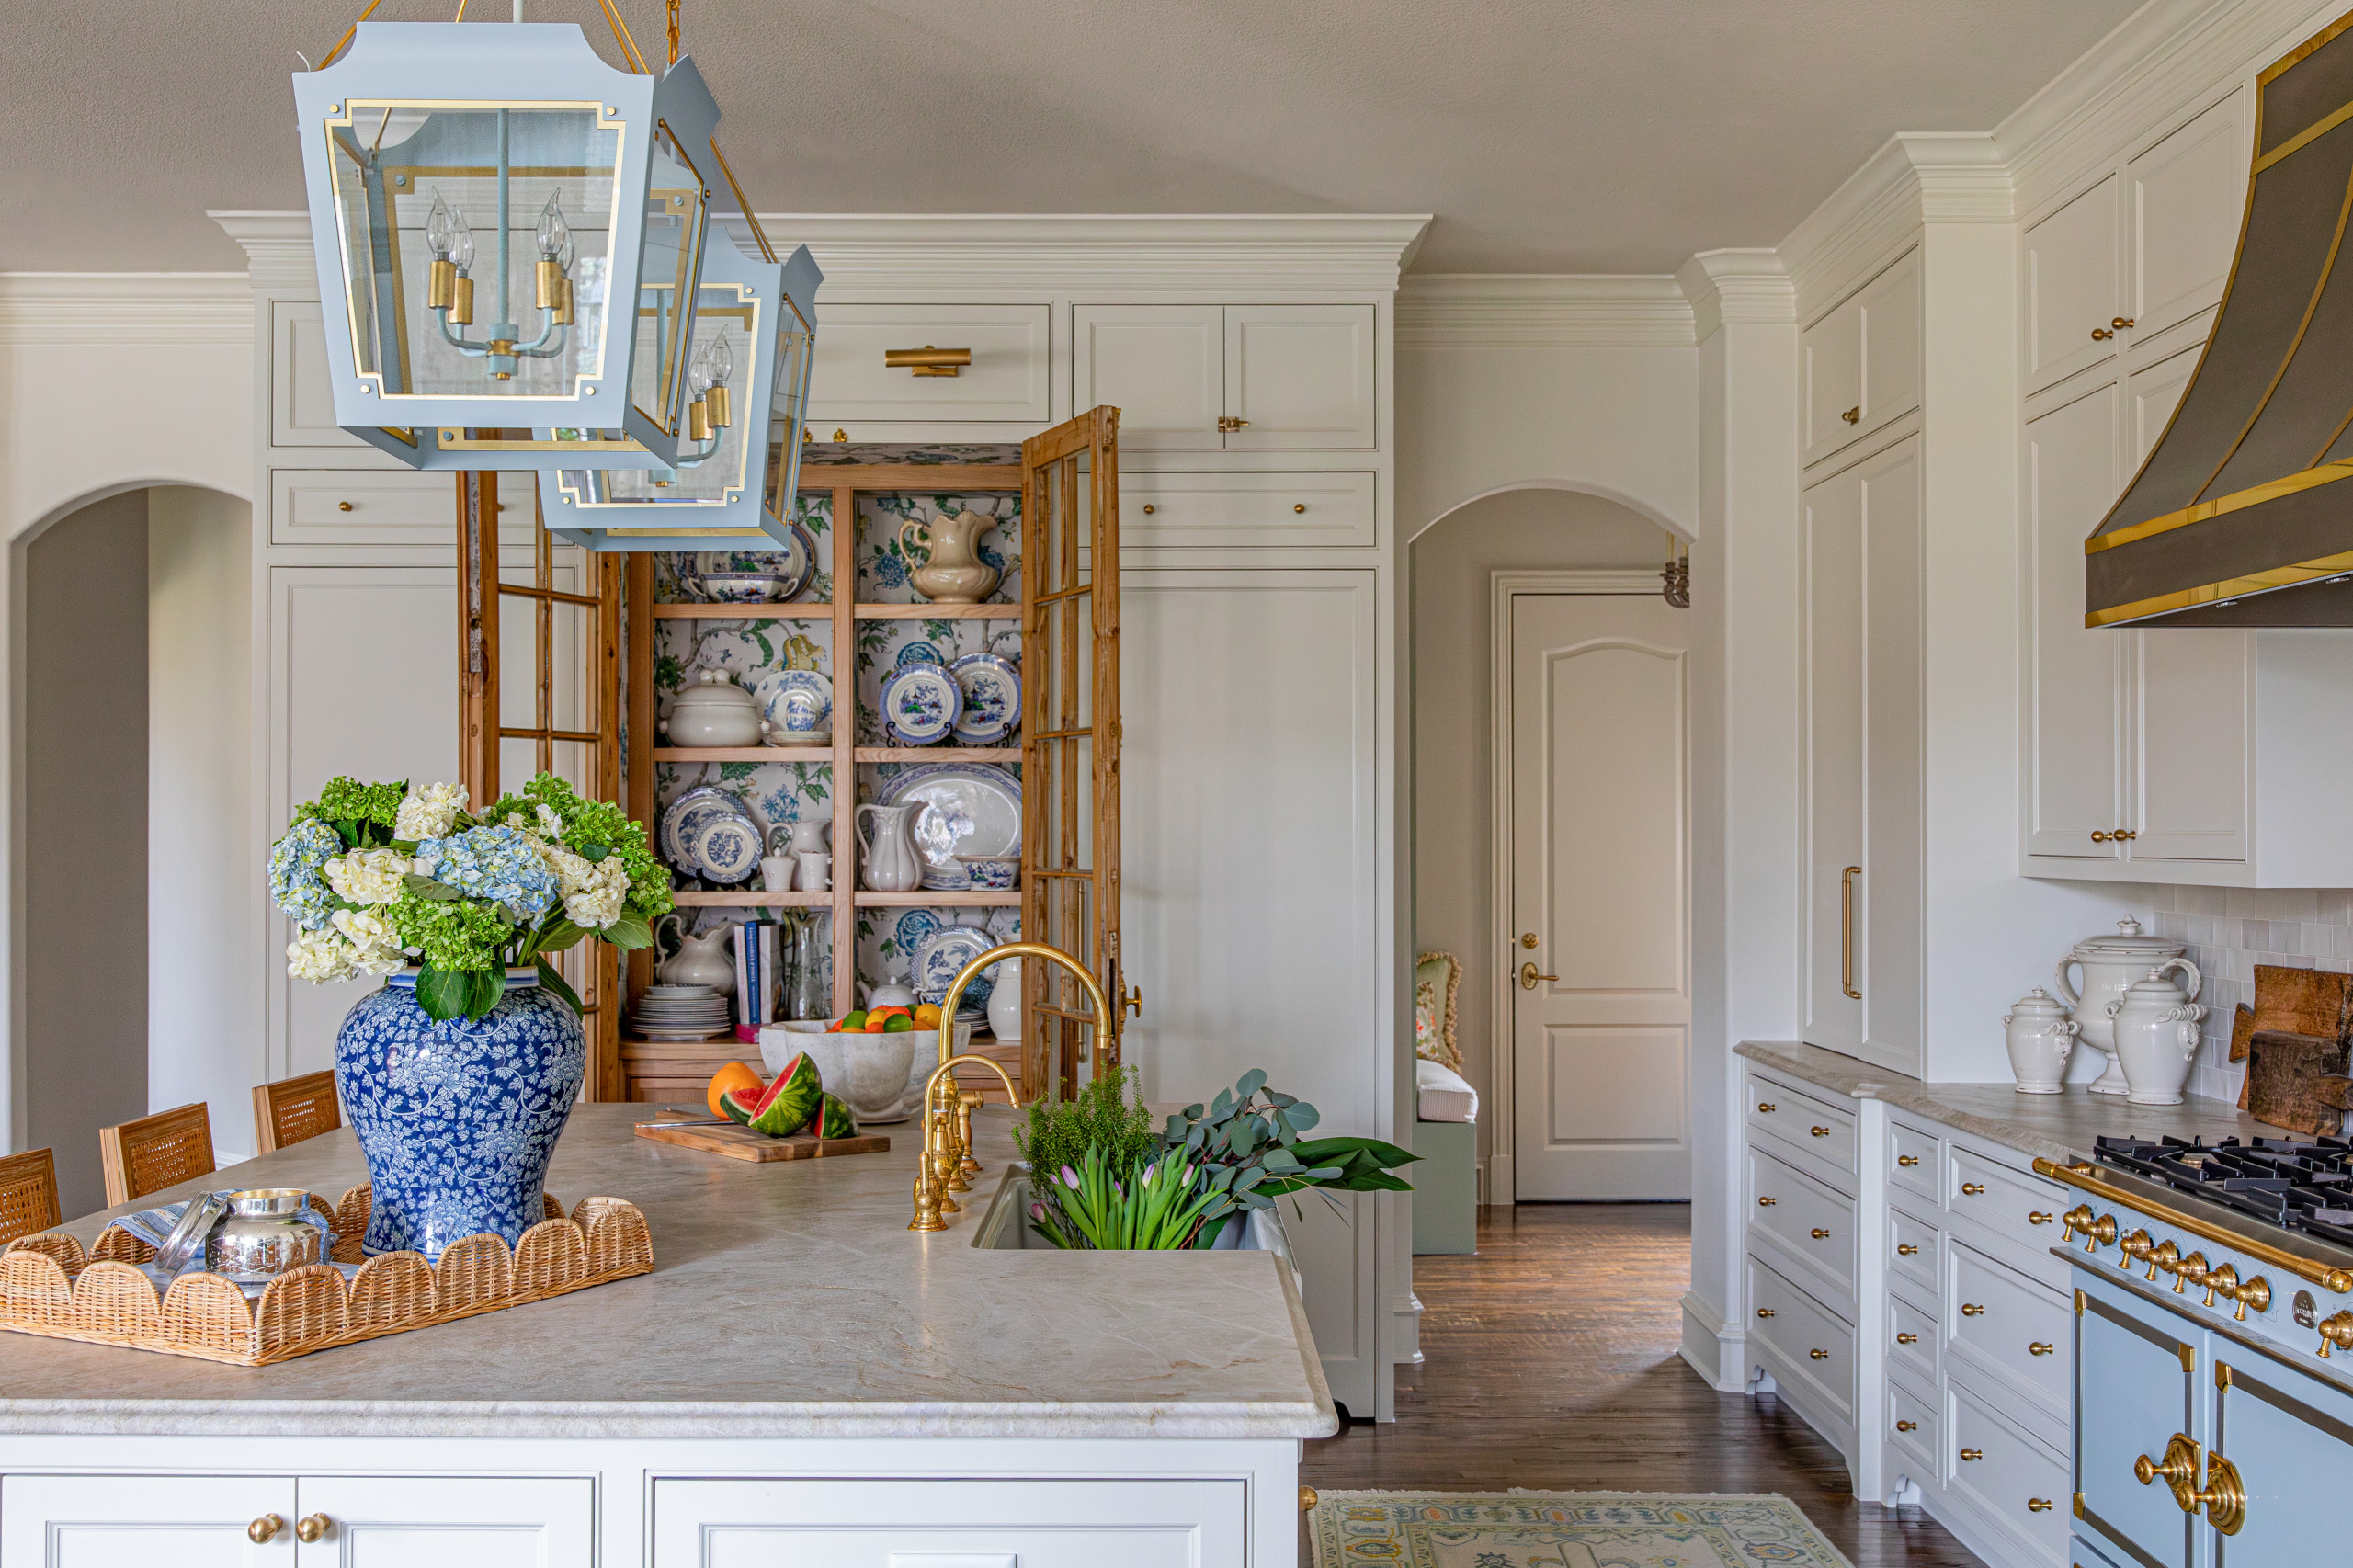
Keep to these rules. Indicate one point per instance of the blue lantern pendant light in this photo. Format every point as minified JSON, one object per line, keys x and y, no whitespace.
{"x":754,"y":331}
{"x":510,"y":238}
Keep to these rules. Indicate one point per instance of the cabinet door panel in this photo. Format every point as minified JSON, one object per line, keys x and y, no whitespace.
{"x":2290,"y":1439}
{"x":2187,"y":195}
{"x":1162,"y":366}
{"x":1299,"y":375}
{"x":302,"y":400}
{"x":2134,"y":1371}
{"x":1005,"y":381}
{"x":1889,"y":930}
{"x":436,"y":1521}
{"x":2071,"y":263}
{"x":1833,"y":352}
{"x":141,"y":1521}
{"x":1890,"y":306}
{"x":2075,"y":697}
{"x":2193,"y":709}
{"x":1831,"y":626}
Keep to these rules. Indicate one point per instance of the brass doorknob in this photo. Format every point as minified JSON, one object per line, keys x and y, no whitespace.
{"x":263,"y":1530}
{"x":1529,"y":977}
{"x":313,"y":1528}
{"x":1527,"y":941}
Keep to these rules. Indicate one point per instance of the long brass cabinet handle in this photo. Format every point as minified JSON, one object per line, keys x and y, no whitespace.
{"x":1847,"y":931}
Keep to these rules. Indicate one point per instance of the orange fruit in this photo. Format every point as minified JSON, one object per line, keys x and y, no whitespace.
{"x":736,"y":1078}
{"x":877,"y":1021}
{"x":927,"y":1016}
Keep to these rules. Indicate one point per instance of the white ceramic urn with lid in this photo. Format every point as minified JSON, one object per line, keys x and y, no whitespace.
{"x":2157,"y":1036}
{"x":712,"y":711}
{"x":2109,"y":964}
{"x":2041,"y":1037}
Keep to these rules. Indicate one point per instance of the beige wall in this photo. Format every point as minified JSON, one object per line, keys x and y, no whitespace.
{"x":1453,"y":657}
{"x":85,"y":834}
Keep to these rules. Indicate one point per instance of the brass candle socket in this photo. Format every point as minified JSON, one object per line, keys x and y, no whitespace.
{"x":462,"y":302}
{"x":441,"y":285}
{"x":715,"y":408}
{"x":547,"y":285}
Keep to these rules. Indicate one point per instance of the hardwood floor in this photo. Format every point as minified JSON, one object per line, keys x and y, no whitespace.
{"x":1549,"y":1363}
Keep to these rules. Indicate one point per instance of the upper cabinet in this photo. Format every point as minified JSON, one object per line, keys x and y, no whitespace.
{"x":1861,"y":361}
{"x":1006,"y":383}
{"x":1231,"y":376}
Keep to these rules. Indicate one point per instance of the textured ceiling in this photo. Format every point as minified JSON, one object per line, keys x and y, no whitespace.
{"x":1546,"y":135}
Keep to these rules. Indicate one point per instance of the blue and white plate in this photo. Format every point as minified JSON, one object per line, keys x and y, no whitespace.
{"x":991,"y":689}
{"x":689,"y":814}
{"x":798,"y":705}
{"x":917,"y":652}
{"x":728,"y":848}
{"x":942,"y":957}
{"x":920,"y":705}
{"x":970,"y":808}
{"x":791,"y":564}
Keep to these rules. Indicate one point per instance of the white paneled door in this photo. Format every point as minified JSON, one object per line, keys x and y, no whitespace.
{"x":145,"y":1521}
{"x":1600,"y":863}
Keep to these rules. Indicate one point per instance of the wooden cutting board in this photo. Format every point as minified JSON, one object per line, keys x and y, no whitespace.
{"x":2297,"y":1081}
{"x":742,"y":1143}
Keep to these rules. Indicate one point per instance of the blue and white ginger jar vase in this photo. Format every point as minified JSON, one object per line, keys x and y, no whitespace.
{"x":457,"y":1120}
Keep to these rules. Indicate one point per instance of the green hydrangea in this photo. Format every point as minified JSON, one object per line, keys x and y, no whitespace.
{"x":592,"y":829}
{"x":348,"y":801}
{"x":454,"y":933}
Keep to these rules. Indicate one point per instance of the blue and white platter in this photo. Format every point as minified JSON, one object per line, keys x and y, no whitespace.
{"x":792,"y":566}
{"x":798,"y":705}
{"x":992,"y":689}
{"x":970,"y":808}
{"x":682,"y":827}
{"x":941,"y":957}
{"x":920,"y":705}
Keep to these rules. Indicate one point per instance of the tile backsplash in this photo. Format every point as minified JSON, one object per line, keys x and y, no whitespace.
{"x":2228,"y":931}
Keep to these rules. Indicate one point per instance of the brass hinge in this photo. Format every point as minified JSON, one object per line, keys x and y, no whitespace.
{"x":2222,"y":1374}
{"x":2079,"y":1303}
{"x":2189,"y":1357}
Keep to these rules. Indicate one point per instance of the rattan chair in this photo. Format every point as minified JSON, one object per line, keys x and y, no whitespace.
{"x":28,"y":1194}
{"x":294,"y":1108}
{"x":157,"y":1152}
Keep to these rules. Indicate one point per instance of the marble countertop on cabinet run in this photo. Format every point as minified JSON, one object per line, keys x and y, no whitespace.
{"x":2054,"y":1127}
{"x":787,"y":1300}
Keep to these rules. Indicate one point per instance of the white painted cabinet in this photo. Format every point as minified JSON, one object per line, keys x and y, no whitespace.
{"x":1863,"y":755}
{"x":1861,"y":361}
{"x":1008,"y":383}
{"x":446,"y":1521}
{"x":1230,"y":377}
{"x":140,"y":1521}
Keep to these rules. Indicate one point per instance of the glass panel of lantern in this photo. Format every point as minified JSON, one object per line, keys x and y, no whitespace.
{"x":488,"y":202}
{"x":747,"y":372}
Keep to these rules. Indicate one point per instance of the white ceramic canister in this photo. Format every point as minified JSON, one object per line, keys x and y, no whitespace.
{"x":712,"y":711}
{"x":2041,"y":1037}
{"x":2108,"y":964}
{"x":2157,"y":1036}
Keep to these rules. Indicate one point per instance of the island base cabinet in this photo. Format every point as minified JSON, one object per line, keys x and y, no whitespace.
{"x":198,"y":1521}
{"x":914,"y":1523}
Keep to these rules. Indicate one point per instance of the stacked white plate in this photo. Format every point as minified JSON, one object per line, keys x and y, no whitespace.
{"x":680,"y":1012}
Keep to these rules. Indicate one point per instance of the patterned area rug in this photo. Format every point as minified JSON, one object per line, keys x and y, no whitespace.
{"x":1564,"y":1529}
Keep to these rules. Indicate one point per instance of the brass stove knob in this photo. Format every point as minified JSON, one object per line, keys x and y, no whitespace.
{"x":2190,"y":1271}
{"x":2164,"y":1257}
{"x":2254,"y":1293}
{"x":2135,"y":1247}
{"x":2336,"y":1331}
{"x":2221,"y":1280}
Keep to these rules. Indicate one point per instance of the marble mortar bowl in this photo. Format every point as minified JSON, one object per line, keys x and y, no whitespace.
{"x":867,"y":1072}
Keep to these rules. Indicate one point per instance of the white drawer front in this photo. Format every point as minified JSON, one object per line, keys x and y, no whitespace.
{"x":1008,"y":382}
{"x":1814,"y":1221}
{"x":2008,"y":1328}
{"x":1820,"y":1129}
{"x":1227,"y":510}
{"x":1911,"y":1427}
{"x":1814,"y":1345}
{"x":1912,"y":1249}
{"x":2015,"y":1216}
{"x":1912,"y":1339}
{"x":343,"y":506}
{"x":2012,"y":1477}
{"x":1912,"y":1160}
{"x":441,"y":1521}
{"x":947,"y":1524}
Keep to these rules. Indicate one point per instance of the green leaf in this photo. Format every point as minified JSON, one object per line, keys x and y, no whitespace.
{"x":442,"y":992}
{"x":630,"y":932}
{"x":426,"y":887}
{"x":1250,"y":1083}
{"x":487,"y":985}
{"x":733,"y":770}
{"x":592,"y":853}
{"x":1281,"y":1101}
{"x":560,"y":934}
{"x":555,"y":982}
{"x":1175,"y":1130}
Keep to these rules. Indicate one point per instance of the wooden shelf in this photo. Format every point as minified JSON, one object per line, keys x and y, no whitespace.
{"x":934,"y":898}
{"x":937,"y":612}
{"x":751,"y":898}
{"x":939,"y":479}
{"x":785,"y":610}
{"x":749,"y":753}
{"x":939,"y":754}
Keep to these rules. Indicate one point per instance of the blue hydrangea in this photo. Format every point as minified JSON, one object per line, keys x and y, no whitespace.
{"x":495,"y":863}
{"x":297,"y":885}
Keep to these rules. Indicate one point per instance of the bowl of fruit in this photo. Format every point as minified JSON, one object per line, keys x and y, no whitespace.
{"x":875,"y":1059}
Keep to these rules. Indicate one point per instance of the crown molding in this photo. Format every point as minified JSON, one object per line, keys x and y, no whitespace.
{"x":126,"y":307}
{"x":276,"y":246}
{"x":1473,"y":310}
{"x":1914,"y":178}
{"x":1736,"y":287}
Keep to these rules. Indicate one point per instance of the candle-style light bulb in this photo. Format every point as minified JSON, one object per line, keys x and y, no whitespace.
{"x":722,"y":362}
{"x":440,"y":228}
{"x":462,"y":242}
{"x":555,"y":233}
{"x":698,"y":370}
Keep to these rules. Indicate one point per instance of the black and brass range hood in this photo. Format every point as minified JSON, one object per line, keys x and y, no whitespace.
{"x":2243,"y":514}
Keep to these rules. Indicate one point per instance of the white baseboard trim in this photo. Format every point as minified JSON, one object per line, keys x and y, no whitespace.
{"x":1498,"y":1190}
{"x":1716,"y":1350}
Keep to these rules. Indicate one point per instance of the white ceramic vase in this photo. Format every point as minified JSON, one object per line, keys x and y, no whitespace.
{"x":1004,"y":1000}
{"x":2041,"y":1037}
{"x":2157,"y":1034}
{"x":2107,"y":965}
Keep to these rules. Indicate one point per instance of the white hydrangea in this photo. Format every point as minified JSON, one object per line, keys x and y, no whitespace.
{"x":375,"y":949}
{"x":573,"y":871}
{"x":319,"y":957}
{"x":597,"y":903}
{"x":549,"y":824}
{"x":369,"y":876}
{"x":430,"y":811}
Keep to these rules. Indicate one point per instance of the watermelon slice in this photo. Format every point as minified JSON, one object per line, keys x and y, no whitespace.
{"x":834,"y":1120}
{"x":786,"y":1105}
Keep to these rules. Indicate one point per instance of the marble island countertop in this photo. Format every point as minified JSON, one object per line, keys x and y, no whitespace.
{"x":2059,"y":1127}
{"x":787,"y":1300}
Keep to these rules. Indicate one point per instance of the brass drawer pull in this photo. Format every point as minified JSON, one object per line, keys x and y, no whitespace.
{"x":1147,"y":509}
{"x":1907,"y":1426}
{"x":263,"y":1530}
{"x":1853,"y":415}
{"x":2037,"y":1217}
{"x":1299,"y":506}
{"x":1907,"y":1339}
{"x":1905,"y":1249}
{"x":1972,"y":1190}
{"x":2038,"y":1505}
{"x":1765,"y":1203}
{"x":1768,"y":1109}
{"x":2101,"y":334}
{"x":926,"y":360}
{"x":1820,"y":1234}
{"x":1819,"y":1132}
{"x":1819,"y":1355}
{"x":1970,"y":1456}
{"x":1907,"y":1161}
{"x":1972,"y":1309}
{"x":1763,"y":1312}
{"x":2037,"y":1347}
{"x":343,"y":505}
{"x":314,"y":1529}
{"x":1228,"y":424}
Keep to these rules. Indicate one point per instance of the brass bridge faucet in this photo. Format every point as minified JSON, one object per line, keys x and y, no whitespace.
{"x":946,"y":1160}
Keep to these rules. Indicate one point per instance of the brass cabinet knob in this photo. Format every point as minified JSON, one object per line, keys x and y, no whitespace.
{"x":2037,"y":1347}
{"x":2039,"y":1217}
{"x":2038,"y":1505}
{"x":1972,"y":1309}
{"x":2256,"y":1293}
{"x":1228,"y":422}
{"x":313,"y":1528}
{"x":1299,"y":506}
{"x":2223,"y":1496}
{"x":1853,"y":415}
{"x":1147,"y":509}
{"x":1907,"y":1339}
{"x":2126,"y":834}
{"x":1819,"y":1132}
{"x":1307,"y":1499}
{"x":2101,"y":334}
{"x":1767,"y":1109}
{"x":263,"y":1530}
{"x":2179,"y":1470}
{"x":1972,"y":1455}
{"x":2100,"y":837}
{"x":2119,"y":322}
{"x":1907,"y":1426}
{"x":1820,"y":1234}
{"x":1763,"y":1312}
{"x":1765,"y":1203}
{"x":343,"y":505}
{"x":1819,"y":1355}
{"x":1907,"y":1161}
{"x":1972,"y":1190}
{"x":2336,"y":1331}
{"x":1906,"y":1249}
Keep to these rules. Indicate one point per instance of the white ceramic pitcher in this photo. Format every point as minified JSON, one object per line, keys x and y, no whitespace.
{"x":891,"y":862}
{"x":2109,"y":964}
{"x":699,"y":961}
{"x":953,"y":572}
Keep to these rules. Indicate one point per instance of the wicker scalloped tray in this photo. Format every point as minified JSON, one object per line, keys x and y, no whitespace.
{"x":48,"y":1286}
